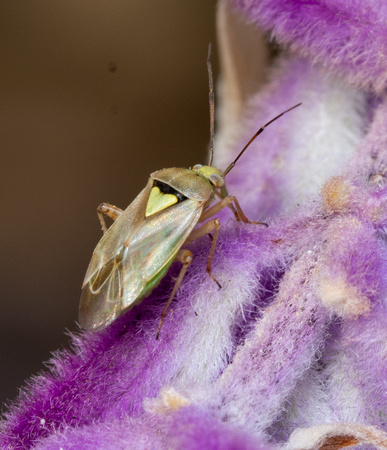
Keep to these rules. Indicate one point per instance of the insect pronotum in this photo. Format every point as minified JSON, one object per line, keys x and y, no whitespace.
{"x":136,"y":251}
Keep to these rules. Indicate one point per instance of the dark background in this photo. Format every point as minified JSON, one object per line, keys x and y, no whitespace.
{"x":95,"y":95}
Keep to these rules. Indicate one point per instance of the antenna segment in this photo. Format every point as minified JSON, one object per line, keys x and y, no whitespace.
{"x":254,"y":137}
{"x":212,"y":107}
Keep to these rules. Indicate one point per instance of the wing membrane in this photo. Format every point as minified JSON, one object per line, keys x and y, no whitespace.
{"x":99,"y":301}
{"x":119,"y":232}
{"x":133,"y":252}
{"x":155,"y":244}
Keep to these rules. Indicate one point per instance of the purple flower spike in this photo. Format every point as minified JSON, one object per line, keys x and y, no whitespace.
{"x":280,"y":350}
{"x":189,"y":428}
{"x":343,"y":36}
{"x":291,"y":352}
{"x":351,"y":268}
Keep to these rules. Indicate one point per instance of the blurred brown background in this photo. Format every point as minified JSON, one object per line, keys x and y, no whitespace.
{"x":94,"y":96}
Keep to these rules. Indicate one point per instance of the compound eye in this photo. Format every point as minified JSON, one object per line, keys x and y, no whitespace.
{"x":197,"y":167}
{"x":216,"y":180}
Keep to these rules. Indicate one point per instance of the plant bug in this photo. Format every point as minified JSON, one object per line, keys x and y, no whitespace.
{"x":136,"y":251}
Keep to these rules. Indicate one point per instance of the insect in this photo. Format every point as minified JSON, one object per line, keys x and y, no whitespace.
{"x":137,"y":250}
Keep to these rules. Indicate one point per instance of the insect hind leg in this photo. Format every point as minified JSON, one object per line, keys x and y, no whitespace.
{"x":186,"y":258}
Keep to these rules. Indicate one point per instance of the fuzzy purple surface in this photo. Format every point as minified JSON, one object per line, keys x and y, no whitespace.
{"x":346,"y":37}
{"x":262,"y":185}
{"x":191,"y":429}
{"x":111,"y":373}
{"x":296,"y":336}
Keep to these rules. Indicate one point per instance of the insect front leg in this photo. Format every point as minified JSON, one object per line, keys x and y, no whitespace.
{"x":109,"y":210}
{"x":231,"y":202}
{"x":186,"y":258}
{"x":213,"y":224}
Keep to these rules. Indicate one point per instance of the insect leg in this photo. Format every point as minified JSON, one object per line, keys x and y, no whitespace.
{"x":186,"y":258}
{"x":231,"y":202}
{"x":110,"y":210}
{"x":239,"y":214}
{"x":213,"y":224}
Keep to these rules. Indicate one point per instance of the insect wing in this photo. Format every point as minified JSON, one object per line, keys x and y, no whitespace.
{"x":154,"y":246}
{"x":112,"y":285}
{"x":100,"y":303}
{"x":100,"y":300}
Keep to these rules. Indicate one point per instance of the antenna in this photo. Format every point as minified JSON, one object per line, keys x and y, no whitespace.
{"x":212,"y":107}
{"x":254,"y":137}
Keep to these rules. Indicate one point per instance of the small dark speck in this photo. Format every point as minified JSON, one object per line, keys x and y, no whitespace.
{"x":112,"y":66}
